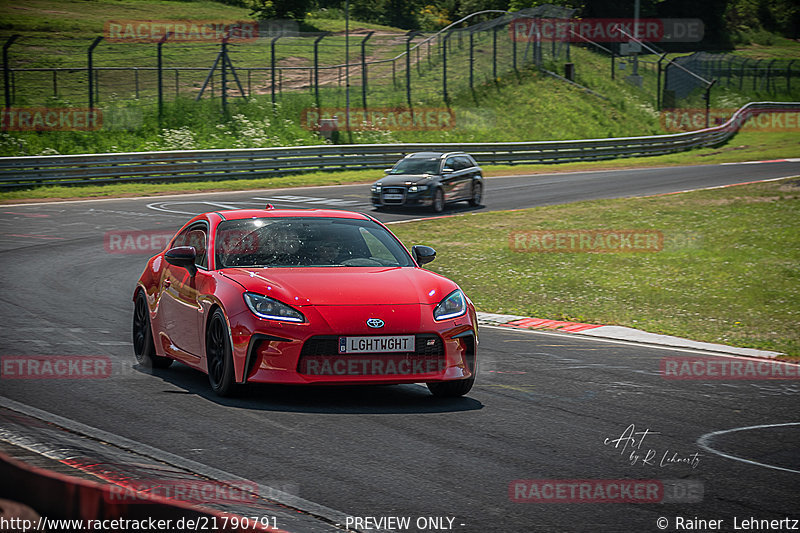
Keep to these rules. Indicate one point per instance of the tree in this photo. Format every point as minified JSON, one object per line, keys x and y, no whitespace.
{"x":278,"y":9}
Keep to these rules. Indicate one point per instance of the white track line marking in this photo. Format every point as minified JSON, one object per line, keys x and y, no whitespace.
{"x":704,"y":440}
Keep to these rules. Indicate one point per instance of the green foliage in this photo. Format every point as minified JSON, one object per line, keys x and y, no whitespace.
{"x":278,"y":9}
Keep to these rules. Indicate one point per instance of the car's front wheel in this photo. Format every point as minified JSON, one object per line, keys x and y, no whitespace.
{"x":477,"y":194}
{"x":438,"y":201}
{"x":451,"y":389}
{"x":219,"y":357}
{"x":143,"y":347}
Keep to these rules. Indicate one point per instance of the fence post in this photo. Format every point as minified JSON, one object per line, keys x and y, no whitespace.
{"x":471,"y":57}
{"x":444,"y":67}
{"x":91,"y":71}
{"x":223,"y":75}
{"x":272,"y":70}
{"x":789,"y":76}
{"x":160,"y":78}
{"x":494,"y":53}
{"x":409,"y":37}
{"x":755,"y":78}
{"x":514,"y":50}
{"x":613,"y":61}
{"x":55,"y":85}
{"x":708,"y":100}
{"x":769,"y":72}
{"x":316,"y":67}
{"x":730,"y":72}
{"x":7,"y":70}
{"x":658,"y":83}
{"x":364,"y":68}
{"x":741,"y":72}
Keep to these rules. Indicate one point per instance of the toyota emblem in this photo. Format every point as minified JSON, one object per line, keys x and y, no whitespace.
{"x":375,"y":322}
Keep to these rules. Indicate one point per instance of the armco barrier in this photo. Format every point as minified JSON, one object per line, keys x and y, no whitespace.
{"x":58,"y":496}
{"x":199,"y":165}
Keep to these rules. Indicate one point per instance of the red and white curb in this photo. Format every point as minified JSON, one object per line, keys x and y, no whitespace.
{"x":619,"y":333}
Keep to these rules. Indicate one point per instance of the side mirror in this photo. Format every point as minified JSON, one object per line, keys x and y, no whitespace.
{"x":423,"y":254}
{"x":182,"y":256}
{"x":387,"y":170}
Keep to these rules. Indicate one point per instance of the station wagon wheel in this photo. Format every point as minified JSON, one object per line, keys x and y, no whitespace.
{"x":143,"y":346}
{"x":477,"y":194}
{"x":438,"y":201}
{"x":219,"y":356}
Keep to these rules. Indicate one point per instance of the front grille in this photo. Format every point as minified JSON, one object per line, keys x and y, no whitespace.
{"x":322,"y":351}
{"x":329,"y":345}
{"x":393,"y":190}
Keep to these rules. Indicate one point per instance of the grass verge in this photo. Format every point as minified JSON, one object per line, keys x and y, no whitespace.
{"x":728,"y":272}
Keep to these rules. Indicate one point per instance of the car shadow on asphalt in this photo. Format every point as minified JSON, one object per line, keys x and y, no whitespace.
{"x":333,"y":399}
{"x":452,"y":209}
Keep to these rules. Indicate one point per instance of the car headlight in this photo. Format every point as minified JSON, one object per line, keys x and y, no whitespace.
{"x":415,"y":188}
{"x":272,"y":309}
{"x":455,"y":304}
{"x":376,"y":188}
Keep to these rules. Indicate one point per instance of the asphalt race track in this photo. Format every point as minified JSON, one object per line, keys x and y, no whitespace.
{"x":546,"y":406}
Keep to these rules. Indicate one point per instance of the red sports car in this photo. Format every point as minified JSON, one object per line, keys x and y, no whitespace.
{"x":303,"y":297}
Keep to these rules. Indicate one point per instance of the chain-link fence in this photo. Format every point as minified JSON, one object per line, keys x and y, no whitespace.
{"x":369,"y":69}
{"x":683,"y":76}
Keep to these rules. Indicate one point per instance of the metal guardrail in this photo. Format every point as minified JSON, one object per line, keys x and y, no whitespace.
{"x":200,"y":165}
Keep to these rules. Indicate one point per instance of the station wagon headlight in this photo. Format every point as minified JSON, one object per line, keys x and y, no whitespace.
{"x":455,"y":304}
{"x":272,"y":309}
{"x":416,"y":188}
{"x":376,"y":188}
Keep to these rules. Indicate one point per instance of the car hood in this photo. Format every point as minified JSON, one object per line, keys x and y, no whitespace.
{"x":402,"y":179}
{"x":325,"y":286}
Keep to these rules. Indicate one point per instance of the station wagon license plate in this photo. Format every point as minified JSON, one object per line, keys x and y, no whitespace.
{"x":385,"y":344}
{"x":392,"y":196}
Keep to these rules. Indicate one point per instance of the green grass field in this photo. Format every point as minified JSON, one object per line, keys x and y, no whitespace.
{"x":728,"y":271}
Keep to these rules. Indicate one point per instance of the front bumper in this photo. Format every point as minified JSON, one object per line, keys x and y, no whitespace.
{"x":422,"y":197}
{"x":272,"y":352}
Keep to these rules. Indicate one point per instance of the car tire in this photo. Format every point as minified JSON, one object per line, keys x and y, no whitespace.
{"x":144,"y":348}
{"x":438,"y":201}
{"x":451,"y":389}
{"x":477,"y":194}
{"x":219,"y":356}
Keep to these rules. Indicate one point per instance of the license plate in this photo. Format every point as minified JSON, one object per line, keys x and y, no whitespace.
{"x":392,"y":196}
{"x":382,"y":344}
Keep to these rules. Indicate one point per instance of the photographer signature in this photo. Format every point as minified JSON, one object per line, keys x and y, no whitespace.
{"x":631,"y":442}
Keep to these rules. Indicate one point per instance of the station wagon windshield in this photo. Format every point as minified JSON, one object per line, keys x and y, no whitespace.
{"x":417,"y":166}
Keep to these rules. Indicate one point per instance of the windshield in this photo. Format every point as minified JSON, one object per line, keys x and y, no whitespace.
{"x":304,"y":242}
{"x":416,"y":165}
